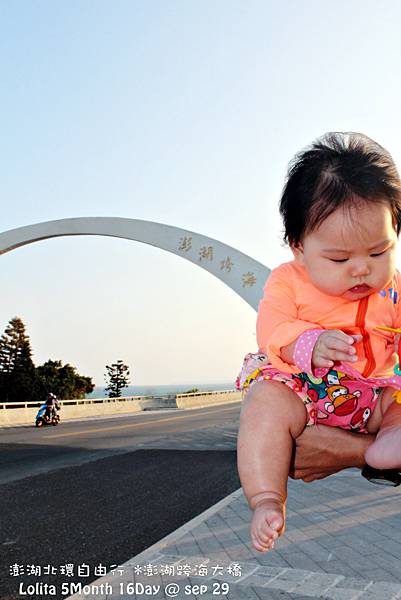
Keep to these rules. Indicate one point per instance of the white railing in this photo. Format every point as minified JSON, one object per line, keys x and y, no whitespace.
{"x":89,"y":401}
{"x":24,"y":413}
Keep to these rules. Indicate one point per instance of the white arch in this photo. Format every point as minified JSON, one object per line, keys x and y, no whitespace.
{"x":240,"y":272}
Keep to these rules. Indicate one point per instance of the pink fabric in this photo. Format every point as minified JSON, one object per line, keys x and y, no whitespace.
{"x":303,"y":360}
{"x":393,"y":381}
{"x":293,"y":310}
{"x":335,"y":398}
{"x":304,"y":349}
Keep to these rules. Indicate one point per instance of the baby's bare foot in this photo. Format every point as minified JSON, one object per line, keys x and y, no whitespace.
{"x":267,"y":521}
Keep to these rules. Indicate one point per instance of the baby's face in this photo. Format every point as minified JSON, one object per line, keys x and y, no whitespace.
{"x":351,"y":254}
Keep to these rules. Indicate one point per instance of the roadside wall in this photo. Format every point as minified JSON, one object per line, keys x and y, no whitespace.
{"x":207,"y":399}
{"x":24,"y":413}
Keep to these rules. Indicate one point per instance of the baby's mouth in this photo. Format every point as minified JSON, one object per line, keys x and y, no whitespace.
{"x":360,"y":289}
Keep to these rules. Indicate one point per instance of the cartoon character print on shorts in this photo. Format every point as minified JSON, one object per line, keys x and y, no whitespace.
{"x":339,"y":400}
{"x":313,"y":387}
{"x":336,"y":399}
{"x":252,"y":370}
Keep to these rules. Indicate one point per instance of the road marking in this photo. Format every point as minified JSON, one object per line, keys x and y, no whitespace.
{"x":131,"y":426}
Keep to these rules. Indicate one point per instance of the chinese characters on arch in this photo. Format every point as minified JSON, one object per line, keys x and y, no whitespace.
{"x":207,"y":253}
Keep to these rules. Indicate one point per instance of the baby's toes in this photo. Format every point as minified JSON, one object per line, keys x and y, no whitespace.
{"x":266,"y":536}
{"x":267,"y":533}
{"x":276,"y":525}
{"x":262,"y":544}
{"x":259,"y":537}
{"x":267,"y":524}
{"x":257,"y":544}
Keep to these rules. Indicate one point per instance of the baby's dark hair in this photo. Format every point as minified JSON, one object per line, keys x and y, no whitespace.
{"x":337,"y":170}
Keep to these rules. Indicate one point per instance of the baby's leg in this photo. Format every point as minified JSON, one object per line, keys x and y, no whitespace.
{"x":385,"y":452}
{"x":272,"y":416}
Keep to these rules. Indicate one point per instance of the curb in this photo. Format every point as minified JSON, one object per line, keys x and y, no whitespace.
{"x":153,"y":552}
{"x":181,"y":531}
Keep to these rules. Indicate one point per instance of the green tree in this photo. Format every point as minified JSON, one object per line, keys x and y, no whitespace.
{"x":62,"y":380}
{"x":117,"y":378}
{"x":21,"y":381}
{"x":17,"y":371}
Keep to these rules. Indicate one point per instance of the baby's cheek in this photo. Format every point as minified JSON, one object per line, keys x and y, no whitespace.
{"x":332,"y":286}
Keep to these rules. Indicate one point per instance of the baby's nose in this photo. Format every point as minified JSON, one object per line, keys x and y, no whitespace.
{"x":360,"y":268}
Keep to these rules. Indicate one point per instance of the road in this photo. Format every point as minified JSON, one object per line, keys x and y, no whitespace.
{"x":102,"y":490}
{"x":28,"y":451}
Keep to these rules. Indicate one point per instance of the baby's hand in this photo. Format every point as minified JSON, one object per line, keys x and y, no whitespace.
{"x":334,"y":346}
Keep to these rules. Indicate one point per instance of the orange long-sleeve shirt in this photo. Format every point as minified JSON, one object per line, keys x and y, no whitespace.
{"x":291,"y":305}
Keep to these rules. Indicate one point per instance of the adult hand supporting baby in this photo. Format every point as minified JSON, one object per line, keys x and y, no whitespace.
{"x":321,"y":451}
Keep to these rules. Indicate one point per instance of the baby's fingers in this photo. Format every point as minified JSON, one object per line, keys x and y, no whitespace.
{"x":338,"y":345}
{"x":335,"y":346}
{"x":337,"y":356}
{"x":330,"y":357}
{"x":345,"y":340}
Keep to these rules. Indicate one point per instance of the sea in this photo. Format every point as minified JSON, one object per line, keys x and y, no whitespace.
{"x":163,"y":390}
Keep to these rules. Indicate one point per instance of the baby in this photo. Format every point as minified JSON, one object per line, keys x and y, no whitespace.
{"x":318,"y":325}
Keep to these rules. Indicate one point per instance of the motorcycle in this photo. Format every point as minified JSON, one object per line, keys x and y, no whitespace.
{"x":43,"y":418}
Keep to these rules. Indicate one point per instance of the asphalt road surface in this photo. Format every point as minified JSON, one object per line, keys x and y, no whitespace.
{"x":103,"y":490}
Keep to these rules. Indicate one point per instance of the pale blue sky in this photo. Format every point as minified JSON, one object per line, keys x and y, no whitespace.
{"x":180,"y":112}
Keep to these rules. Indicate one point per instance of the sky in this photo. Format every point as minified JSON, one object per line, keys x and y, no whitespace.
{"x":184,"y":113}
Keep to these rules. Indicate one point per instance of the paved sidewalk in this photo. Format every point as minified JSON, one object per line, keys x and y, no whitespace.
{"x":343,"y":542}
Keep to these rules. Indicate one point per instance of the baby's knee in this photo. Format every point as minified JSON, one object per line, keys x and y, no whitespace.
{"x":267,"y":392}
{"x":276,"y":401}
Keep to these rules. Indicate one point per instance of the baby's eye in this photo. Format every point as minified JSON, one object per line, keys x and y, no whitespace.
{"x":338,"y":260}
{"x":379,"y":253}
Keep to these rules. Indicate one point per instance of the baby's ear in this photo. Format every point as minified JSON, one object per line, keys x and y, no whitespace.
{"x":298,"y":252}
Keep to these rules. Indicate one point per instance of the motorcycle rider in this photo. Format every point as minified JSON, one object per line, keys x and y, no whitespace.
{"x":52,"y":404}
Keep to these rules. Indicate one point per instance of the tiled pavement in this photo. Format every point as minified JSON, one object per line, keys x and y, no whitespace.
{"x":343,"y":542}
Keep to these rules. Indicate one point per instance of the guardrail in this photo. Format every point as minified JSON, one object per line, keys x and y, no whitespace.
{"x":77,"y":402}
{"x":198,"y":399}
{"x":19,"y":413}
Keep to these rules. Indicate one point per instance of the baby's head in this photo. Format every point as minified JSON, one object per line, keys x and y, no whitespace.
{"x":341,"y":208}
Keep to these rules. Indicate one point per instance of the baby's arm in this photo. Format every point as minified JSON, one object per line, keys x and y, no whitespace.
{"x":330,"y":347}
{"x":279,"y":327}
{"x":278,"y":324}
